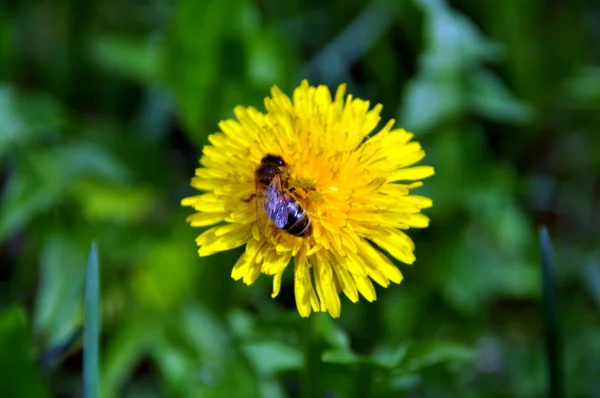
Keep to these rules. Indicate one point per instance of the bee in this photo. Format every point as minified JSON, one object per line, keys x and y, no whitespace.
{"x":275,"y":200}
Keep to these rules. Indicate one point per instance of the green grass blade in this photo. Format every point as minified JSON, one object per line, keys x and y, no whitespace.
{"x":551,"y":316}
{"x":91,"y":327}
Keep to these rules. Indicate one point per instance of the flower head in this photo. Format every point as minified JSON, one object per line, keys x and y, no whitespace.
{"x":345,"y":180}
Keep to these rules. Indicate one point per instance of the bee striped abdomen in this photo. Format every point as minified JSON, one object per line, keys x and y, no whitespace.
{"x":298,"y":223}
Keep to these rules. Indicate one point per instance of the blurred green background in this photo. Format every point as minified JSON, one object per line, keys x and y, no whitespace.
{"x":105,"y":106}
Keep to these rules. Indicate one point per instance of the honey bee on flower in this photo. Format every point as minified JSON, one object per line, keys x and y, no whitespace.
{"x":275,"y":201}
{"x":309,"y":181}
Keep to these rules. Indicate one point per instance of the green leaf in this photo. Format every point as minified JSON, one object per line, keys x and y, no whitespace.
{"x":480,"y":273}
{"x":436,"y":353}
{"x":22,"y":200}
{"x":91,"y":328}
{"x":266,"y":63}
{"x":25,"y":120}
{"x":390,"y":357}
{"x":331,"y":332}
{"x":491,"y":99}
{"x":345,"y":357}
{"x":454,"y":43}
{"x":124,"y":351}
{"x":160,"y":287}
{"x":271,"y":357}
{"x":191,"y":58}
{"x":19,"y":376}
{"x":383,"y":357}
{"x":452,"y":78}
{"x":132,"y":58}
{"x":197,"y":356}
{"x":58,"y":306}
{"x":45,"y":176}
{"x":271,"y":388}
{"x":429,"y":103}
{"x":117,"y":203}
{"x":404,"y":382}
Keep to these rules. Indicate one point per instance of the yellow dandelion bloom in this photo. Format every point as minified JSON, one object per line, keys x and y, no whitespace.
{"x":330,"y":171}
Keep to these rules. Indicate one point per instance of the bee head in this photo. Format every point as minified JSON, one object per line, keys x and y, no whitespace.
{"x":266,"y":172}
{"x":269,"y":158}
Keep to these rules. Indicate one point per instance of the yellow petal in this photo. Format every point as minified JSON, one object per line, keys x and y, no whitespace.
{"x":397,"y":244}
{"x":326,"y":287}
{"x":301,"y":285}
{"x":411,"y":173}
{"x":252,"y":274}
{"x":347,"y":283}
{"x":365,"y":287}
{"x":374,"y":258}
{"x":241,"y":266}
{"x":420,"y":201}
{"x":416,"y":220}
{"x":276,"y":284}
{"x":205,"y":219}
{"x":213,"y":243}
{"x":275,"y":262}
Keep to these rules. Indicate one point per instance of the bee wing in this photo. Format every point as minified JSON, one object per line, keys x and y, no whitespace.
{"x":271,"y":204}
{"x":262,"y":218}
{"x":275,"y":205}
{"x":279,"y":212}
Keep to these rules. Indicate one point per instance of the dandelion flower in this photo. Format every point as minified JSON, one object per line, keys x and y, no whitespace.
{"x":352,"y":183}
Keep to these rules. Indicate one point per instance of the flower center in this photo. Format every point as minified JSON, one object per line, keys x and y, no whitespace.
{"x":305,"y":184}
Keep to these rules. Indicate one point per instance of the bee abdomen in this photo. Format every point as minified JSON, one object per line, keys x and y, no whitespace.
{"x":298,"y":222}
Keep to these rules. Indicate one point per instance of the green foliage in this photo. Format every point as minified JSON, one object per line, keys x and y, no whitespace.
{"x":19,"y":376}
{"x":104,"y":108}
{"x":91,"y":327}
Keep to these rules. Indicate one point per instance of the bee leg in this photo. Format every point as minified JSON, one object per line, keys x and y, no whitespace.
{"x":249,"y":199}
{"x":299,"y":192}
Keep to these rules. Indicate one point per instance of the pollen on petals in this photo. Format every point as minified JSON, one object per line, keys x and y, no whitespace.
{"x":353,"y":180}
